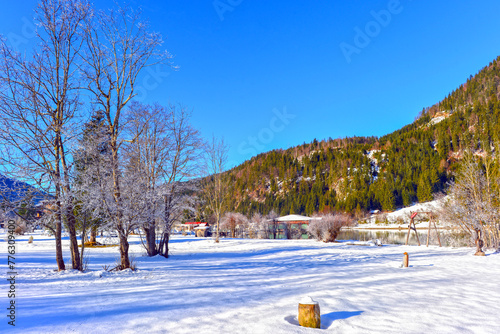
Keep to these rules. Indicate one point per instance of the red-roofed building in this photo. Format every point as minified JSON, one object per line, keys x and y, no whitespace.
{"x":193,"y":226}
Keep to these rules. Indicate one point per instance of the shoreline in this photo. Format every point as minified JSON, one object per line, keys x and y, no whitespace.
{"x":392,"y":228}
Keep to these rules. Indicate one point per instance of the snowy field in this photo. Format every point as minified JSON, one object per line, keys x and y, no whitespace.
{"x":254,"y":286}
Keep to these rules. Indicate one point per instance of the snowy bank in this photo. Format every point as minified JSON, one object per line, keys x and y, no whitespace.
{"x":401,"y":218}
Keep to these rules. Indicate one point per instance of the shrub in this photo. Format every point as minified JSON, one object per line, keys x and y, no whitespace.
{"x":21,"y":227}
{"x":327,"y":227}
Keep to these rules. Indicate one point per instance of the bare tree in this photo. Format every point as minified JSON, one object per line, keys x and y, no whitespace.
{"x":473,"y":203}
{"x":233,"y":220}
{"x":167,"y":150}
{"x":119,"y":47}
{"x":39,"y":98}
{"x":258,"y":226}
{"x":216,"y":182}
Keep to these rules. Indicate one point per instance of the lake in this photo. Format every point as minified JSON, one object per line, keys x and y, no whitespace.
{"x":398,"y":237}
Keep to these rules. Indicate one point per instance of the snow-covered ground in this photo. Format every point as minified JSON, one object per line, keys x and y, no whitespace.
{"x":254,"y":286}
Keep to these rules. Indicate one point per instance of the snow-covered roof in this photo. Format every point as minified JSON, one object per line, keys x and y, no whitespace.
{"x":293,"y":218}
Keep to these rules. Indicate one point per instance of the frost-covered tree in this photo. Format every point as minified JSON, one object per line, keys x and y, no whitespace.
{"x":39,"y":99}
{"x":119,"y":46}
{"x":91,"y":159}
{"x":216,"y":182}
{"x":166,"y":153}
{"x":258,"y":226}
{"x":231,"y":221}
{"x":327,"y":227}
{"x":473,"y":202}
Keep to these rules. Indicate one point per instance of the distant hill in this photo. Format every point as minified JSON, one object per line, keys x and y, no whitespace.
{"x":365,"y":173}
{"x":13,"y":191}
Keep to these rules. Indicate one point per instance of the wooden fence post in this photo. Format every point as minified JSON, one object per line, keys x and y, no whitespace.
{"x":406,"y":260}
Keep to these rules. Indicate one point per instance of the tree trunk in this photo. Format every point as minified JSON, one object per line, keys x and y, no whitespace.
{"x":163,"y":247}
{"x":167,"y":239}
{"x":75,"y":253}
{"x":479,"y":243}
{"x":83,"y":243}
{"x":93,"y":235}
{"x":217,"y":233}
{"x":124,"y":259}
{"x":59,"y":256}
{"x":497,"y":232}
{"x":151,"y":241}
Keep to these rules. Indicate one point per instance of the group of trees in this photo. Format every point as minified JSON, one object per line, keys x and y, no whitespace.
{"x":339,"y":179}
{"x":324,"y":227}
{"x":123,"y":169}
{"x":474,"y":201}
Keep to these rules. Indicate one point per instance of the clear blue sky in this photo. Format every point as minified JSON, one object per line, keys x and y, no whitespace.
{"x":242,"y":63}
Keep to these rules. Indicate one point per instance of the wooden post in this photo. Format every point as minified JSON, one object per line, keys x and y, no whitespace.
{"x":429,"y":232}
{"x":437,"y":232}
{"x":408,"y":235}
{"x":30,"y":240}
{"x":309,"y":313}
{"x":412,"y":222}
{"x":416,"y":233}
{"x":406,"y":260}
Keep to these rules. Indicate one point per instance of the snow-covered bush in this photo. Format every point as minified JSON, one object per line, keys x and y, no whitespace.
{"x":21,"y":227}
{"x":258,"y":227}
{"x":326,"y":228}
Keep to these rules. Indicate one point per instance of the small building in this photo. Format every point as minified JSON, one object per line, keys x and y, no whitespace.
{"x":291,"y":227}
{"x":191,"y":227}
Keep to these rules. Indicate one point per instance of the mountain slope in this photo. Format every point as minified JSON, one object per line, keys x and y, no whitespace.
{"x":12,"y":191}
{"x":365,"y":173}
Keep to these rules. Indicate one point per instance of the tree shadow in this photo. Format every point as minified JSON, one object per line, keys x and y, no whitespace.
{"x":328,"y":318}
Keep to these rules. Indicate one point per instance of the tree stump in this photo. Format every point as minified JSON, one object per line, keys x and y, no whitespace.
{"x":309,"y":313}
{"x":406,"y":260}
{"x":30,"y":240}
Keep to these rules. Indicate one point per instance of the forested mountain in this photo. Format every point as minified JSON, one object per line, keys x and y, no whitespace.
{"x":12,"y":191}
{"x":365,"y":173}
